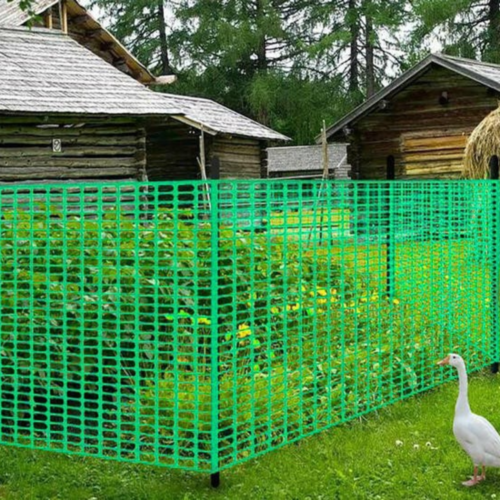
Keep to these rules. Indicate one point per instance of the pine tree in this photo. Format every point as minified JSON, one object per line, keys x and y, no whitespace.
{"x":142,"y":25}
{"x":467,"y":28}
{"x":360,"y":38}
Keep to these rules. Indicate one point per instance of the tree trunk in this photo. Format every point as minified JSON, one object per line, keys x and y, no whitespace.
{"x":262,"y":61}
{"x":164,"y":55}
{"x":262,"y":56}
{"x":370,"y":57}
{"x":493,"y":51}
{"x":354,"y":51}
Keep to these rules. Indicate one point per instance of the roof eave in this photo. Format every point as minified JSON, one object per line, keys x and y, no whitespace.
{"x":212,"y":131}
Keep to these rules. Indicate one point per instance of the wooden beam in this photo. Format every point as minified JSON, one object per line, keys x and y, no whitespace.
{"x":94,"y":33}
{"x":79,"y":20}
{"x":106,"y":46}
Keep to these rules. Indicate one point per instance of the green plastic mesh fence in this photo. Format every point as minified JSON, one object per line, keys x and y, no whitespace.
{"x":198,"y":325}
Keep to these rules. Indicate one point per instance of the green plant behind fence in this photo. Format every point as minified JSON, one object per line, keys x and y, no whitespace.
{"x":197,"y":325}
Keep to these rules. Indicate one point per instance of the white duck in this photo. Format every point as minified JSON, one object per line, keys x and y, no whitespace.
{"x":474,"y":433}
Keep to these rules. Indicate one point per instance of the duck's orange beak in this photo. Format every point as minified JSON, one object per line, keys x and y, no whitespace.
{"x":445,"y":361}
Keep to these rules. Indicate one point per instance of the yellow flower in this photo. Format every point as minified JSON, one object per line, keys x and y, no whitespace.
{"x":396,"y":302}
{"x":275,"y":310}
{"x":322,"y":301}
{"x":244,"y":331}
{"x":322,"y":293}
{"x":204,"y":321}
{"x":334,"y":291}
{"x":295,"y":307}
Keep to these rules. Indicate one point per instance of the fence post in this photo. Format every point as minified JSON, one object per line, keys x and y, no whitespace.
{"x":214,"y":341}
{"x":495,"y":236}
{"x":390,"y":256}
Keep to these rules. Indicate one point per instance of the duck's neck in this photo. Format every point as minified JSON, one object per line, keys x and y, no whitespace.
{"x":462,"y":407}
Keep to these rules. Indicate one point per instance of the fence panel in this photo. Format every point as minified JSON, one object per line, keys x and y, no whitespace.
{"x":321,"y":324}
{"x":197,"y":325}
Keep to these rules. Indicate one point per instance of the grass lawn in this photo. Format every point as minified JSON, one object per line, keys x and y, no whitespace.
{"x":359,"y":460}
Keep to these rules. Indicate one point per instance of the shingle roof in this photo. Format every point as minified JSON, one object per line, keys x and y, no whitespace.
{"x":484,"y":73}
{"x":12,"y":15}
{"x":217,"y":119}
{"x":308,"y":158}
{"x":44,"y":71}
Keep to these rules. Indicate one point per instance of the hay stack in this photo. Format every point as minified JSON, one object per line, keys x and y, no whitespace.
{"x":483,"y":143}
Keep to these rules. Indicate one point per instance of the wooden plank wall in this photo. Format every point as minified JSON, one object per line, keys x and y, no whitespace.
{"x":417,"y":110}
{"x":99,"y":149}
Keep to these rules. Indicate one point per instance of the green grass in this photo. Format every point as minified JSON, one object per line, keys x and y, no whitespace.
{"x":358,"y":460}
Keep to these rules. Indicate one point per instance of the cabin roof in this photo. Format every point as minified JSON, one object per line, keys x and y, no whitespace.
{"x":45,"y":71}
{"x":290,"y":159}
{"x":215,"y":118}
{"x":11,"y":15}
{"x":484,"y":73}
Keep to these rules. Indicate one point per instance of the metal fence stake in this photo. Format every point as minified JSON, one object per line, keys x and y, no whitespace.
{"x":214,"y":352}
{"x":495,"y":221}
{"x":390,"y":259}
{"x":215,"y":480}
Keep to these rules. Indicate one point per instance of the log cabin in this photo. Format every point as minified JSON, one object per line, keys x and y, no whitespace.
{"x":423,"y":120}
{"x":69,"y":111}
{"x":207,"y":130}
{"x":66,"y":114}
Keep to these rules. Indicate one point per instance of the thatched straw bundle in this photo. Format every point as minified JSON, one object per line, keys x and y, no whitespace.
{"x":483,"y":143}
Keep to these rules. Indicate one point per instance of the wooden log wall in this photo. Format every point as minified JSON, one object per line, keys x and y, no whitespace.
{"x":426,"y":136}
{"x":172,"y":152}
{"x":239,"y":158}
{"x":99,"y":149}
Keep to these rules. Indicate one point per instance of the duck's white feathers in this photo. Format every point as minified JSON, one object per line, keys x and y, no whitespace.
{"x":478,"y":438}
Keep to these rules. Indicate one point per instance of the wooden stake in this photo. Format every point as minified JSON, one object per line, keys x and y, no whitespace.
{"x":324,"y":178}
{"x":326,"y":166}
{"x":202,"y":162}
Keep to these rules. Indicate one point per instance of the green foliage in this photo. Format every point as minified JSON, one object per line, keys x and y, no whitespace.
{"x":314,"y":352}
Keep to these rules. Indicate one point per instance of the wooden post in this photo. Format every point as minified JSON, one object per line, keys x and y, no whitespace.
{"x":495,"y":238}
{"x":390,"y":257}
{"x":48,"y":19}
{"x":63,"y":10}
